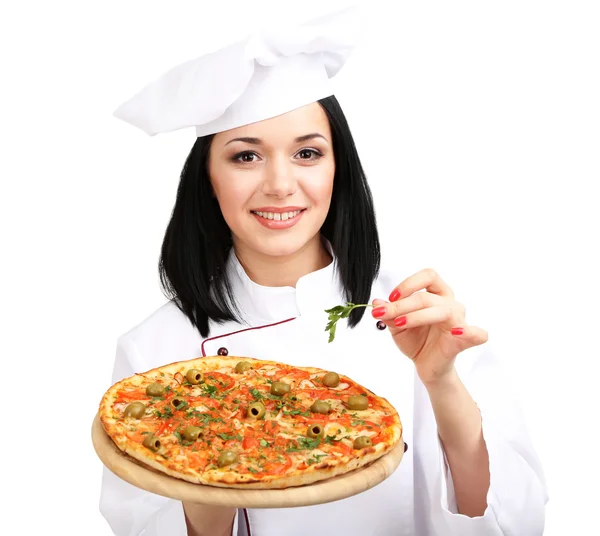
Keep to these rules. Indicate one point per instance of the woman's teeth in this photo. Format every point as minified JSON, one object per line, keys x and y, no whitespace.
{"x":277,"y":216}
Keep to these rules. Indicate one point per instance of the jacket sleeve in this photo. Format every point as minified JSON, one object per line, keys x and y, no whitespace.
{"x":517,"y":494}
{"x":131,"y":511}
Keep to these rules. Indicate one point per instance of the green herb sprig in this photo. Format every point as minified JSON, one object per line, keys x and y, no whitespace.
{"x":337,"y":312}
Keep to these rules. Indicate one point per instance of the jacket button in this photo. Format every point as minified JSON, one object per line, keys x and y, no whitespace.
{"x":381,"y":324}
{"x":405,"y":447}
{"x":222,"y":351}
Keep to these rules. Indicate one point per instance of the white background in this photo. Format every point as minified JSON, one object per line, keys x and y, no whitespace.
{"x":479,"y":127}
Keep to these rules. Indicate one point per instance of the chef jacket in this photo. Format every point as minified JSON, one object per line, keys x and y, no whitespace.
{"x":288,"y":325}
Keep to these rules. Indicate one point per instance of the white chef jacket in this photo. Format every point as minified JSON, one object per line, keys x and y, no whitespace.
{"x":418,"y":498}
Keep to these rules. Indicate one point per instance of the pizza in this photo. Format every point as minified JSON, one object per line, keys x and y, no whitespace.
{"x":239,"y":422}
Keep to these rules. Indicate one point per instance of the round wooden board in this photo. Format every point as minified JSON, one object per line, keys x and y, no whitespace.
{"x":334,"y":489}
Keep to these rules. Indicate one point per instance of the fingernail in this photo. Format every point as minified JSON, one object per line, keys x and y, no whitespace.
{"x":457,"y":331}
{"x":400,"y":321}
{"x":394,"y":295}
{"x":378,"y":312}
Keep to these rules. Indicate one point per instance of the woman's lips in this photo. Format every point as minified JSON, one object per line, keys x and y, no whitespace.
{"x":278,"y":223}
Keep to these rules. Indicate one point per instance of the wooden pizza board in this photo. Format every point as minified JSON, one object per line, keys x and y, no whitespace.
{"x":339,"y":487}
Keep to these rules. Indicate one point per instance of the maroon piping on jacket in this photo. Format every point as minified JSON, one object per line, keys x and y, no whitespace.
{"x":241,"y":331}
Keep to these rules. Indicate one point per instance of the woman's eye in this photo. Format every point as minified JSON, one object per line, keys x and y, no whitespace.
{"x":309,"y":154}
{"x":246,"y":157}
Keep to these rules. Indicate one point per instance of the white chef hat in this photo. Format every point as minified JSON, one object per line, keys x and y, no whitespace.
{"x":267,"y":74}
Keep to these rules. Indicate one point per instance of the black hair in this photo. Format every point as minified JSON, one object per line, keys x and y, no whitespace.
{"x":197,"y":240}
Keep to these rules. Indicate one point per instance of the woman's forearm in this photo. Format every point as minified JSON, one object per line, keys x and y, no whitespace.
{"x":203,"y":520}
{"x":459,"y":427}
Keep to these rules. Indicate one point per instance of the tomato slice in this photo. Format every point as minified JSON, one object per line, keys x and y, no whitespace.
{"x":276,"y":468}
{"x":271,"y":427}
{"x":250,"y":441}
{"x":223,"y":378}
{"x":165,"y":426}
{"x":388,"y":420}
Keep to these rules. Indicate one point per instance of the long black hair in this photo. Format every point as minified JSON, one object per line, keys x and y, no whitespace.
{"x":197,"y":240}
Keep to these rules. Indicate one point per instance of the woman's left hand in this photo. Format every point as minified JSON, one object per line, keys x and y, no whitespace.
{"x":428,"y":327}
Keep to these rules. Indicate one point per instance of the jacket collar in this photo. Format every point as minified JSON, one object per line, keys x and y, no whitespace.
{"x":314,"y":293}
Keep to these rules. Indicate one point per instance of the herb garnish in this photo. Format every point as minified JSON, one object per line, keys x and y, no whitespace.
{"x":337,"y":312}
{"x":305,"y":443}
{"x":209,"y":390}
{"x":226,"y":437}
{"x":316,"y":458}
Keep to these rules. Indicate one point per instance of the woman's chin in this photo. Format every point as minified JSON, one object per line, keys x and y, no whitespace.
{"x":279,"y":246}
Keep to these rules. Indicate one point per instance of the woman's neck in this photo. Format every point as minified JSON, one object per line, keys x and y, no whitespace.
{"x":283,"y":271}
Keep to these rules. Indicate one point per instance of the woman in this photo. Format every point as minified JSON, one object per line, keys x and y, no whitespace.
{"x":274,"y":223}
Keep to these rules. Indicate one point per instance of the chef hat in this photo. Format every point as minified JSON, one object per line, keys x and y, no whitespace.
{"x":267,"y":74}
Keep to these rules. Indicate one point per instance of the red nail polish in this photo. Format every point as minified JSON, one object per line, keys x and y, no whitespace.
{"x":378,"y":312}
{"x":457,"y":331}
{"x":400,"y":321}
{"x":394,"y":295}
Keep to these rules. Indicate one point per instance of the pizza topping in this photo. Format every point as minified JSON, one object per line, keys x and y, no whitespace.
{"x":243,"y":366}
{"x":263,"y":419}
{"x":193,"y":376}
{"x":227,"y":457}
{"x":256,"y":410}
{"x":135,"y":410}
{"x":320,"y":406}
{"x":280,"y":388}
{"x":362,"y":442}
{"x":331,"y":379}
{"x":152,"y":442}
{"x":316,"y":430}
{"x":155,"y":390}
{"x":358,"y":402}
{"x":191,"y":433}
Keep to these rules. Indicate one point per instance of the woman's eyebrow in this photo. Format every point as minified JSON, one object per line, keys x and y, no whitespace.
{"x":258,"y":141}
{"x":307,"y":137}
{"x":253,"y":141}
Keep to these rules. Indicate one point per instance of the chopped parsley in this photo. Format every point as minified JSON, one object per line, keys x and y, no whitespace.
{"x":316,"y":458}
{"x":252,"y":470}
{"x":166,"y":414}
{"x":226,"y":437}
{"x":357,"y":422}
{"x":209,"y":390}
{"x":264,"y":443}
{"x":297,"y":412}
{"x":305,"y":443}
{"x":256,"y":394}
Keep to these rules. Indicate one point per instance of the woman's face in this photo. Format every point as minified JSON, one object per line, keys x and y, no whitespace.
{"x":274,"y":179}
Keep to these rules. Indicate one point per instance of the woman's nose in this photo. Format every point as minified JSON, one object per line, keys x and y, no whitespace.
{"x":280,"y":180}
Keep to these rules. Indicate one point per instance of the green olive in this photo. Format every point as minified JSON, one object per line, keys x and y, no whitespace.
{"x":227,"y":457}
{"x":256,"y":410}
{"x":320,"y":406}
{"x":362,"y":442}
{"x":155,"y":389}
{"x":358,"y":402}
{"x":178,"y":403}
{"x":314,"y":431}
{"x":135,"y":410}
{"x":193,"y":376}
{"x":280,"y":388}
{"x":191,"y":433}
{"x":152,"y":442}
{"x":331,"y":379}
{"x":242,"y":367}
